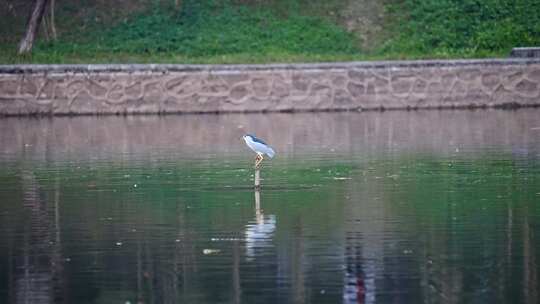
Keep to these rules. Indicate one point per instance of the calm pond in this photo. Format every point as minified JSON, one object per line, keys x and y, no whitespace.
{"x":378,"y":207}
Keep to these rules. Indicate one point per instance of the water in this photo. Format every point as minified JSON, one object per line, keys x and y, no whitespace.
{"x":392,"y":207}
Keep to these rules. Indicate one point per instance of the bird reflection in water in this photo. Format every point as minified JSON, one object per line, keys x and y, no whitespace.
{"x":259,"y":233}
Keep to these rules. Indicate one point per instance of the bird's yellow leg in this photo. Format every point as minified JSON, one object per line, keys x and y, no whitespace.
{"x":258,"y":160}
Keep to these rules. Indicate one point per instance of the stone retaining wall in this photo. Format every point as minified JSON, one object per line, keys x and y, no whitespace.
{"x":130,"y":89}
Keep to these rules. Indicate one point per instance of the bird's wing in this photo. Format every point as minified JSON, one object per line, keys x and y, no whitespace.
{"x":270,"y":152}
{"x":258,"y":140}
{"x":252,"y":145}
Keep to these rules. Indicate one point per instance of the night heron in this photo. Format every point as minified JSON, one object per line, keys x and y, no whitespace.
{"x":259,"y":147}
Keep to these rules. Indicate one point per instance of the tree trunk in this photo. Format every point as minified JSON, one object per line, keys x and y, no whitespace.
{"x":53,"y":24}
{"x":34,"y":20}
{"x":45,"y":27}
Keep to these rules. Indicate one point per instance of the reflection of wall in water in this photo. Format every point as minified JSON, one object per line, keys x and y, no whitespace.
{"x":366,"y":134}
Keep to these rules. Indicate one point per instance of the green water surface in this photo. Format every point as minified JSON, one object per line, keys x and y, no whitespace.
{"x":392,"y":207}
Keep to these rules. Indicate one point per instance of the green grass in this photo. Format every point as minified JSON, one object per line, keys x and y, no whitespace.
{"x":463,"y":28}
{"x":288,"y":31}
{"x":201,"y":32}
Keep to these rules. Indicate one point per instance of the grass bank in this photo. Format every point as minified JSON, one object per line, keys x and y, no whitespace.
{"x":462,"y":28}
{"x":285,"y":31}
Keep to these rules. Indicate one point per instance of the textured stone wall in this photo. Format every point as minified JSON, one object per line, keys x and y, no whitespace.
{"x":95,"y":89}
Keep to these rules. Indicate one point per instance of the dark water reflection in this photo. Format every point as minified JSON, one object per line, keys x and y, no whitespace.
{"x":394,"y":207}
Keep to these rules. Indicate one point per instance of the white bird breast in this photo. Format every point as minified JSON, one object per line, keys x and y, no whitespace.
{"x":259,"y":148}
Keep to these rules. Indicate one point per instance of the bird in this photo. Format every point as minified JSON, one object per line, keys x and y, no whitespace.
{"x":258,"y":146}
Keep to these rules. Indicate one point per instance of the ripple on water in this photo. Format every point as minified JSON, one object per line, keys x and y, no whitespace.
{"x":382,"y":207}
